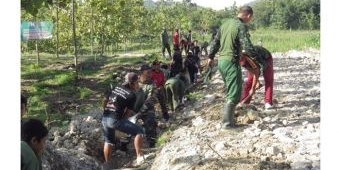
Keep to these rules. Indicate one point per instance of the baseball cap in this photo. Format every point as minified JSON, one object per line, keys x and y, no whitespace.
{"x":130,"y":78}
{"x":145,"y":67}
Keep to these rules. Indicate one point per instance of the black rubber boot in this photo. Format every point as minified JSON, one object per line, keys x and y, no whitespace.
{"x":228,"y":117}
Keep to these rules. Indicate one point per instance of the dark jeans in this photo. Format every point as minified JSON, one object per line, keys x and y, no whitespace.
{"x":110,"y":123}
{"x":167,"y":47}
{"x":150,"y":125}
{"x":161,"y":96}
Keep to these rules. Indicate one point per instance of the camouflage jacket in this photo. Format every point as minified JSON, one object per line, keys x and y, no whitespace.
{"x":231,"y":40}
{"x":146,"y":98}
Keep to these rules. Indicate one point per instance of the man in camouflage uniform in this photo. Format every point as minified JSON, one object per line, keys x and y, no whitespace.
{"x":165,"y":43}
{"x":175,"y":89}
{"x":231,"y":40}
{"x":146,"y":98}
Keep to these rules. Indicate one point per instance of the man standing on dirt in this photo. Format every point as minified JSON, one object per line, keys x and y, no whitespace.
{"x":165,"y":43}
{"x":159,"y":79}
{"x":145,"y":104}
{"x":189,"y":41}
{"x":175,"y":40}
{"x":231,"y":40}
{"x":268,"y":76}
{"x":118,"y":104}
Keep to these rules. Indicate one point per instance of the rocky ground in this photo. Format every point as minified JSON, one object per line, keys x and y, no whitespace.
{"x":286,"y":137}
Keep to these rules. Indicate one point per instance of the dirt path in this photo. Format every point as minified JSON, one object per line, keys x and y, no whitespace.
{"x":287,"y":137}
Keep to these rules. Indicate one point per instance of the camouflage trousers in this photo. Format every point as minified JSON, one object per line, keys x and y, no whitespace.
{"x":150,"y":125}
{"x":161,"y":96}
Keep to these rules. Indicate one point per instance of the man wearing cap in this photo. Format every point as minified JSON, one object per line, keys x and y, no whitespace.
{"x":118,"y":105}
{"x":232,"y":40}
{"x":192,"y":66}
{"x":165,"y":43}
{"x":159,"y":79}
{"x":146,"y":98}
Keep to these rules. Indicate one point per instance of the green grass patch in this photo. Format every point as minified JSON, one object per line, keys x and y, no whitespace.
{"x":193,"y":96}
{"x":164,"y":138}
{"x":84,"y":92}
{"x":285,"y":40}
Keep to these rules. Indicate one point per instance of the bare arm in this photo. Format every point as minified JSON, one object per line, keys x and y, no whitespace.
{"x":252,"y":67}
{"x":105,"y":101}
{"x":128,"y":113}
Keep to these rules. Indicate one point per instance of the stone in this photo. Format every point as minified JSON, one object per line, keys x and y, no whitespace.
{"x":304,"y":164}
{"x":275,"y":118}
{"x":218,"y":126}
{"x":267,"y":119}
{"x":217,"y":81}
{"x":220,"y":146}
{"x":265,"y":158}
{"x":257,"y":123}
{"x":304,"y":123}
{"x":310,"y":127}
{"x":198,"y":121}
{"x":246,"y":120}
{"x":209,"y":98}
{"x":279,"y":156}
{"x":272,"y":150}
{"x":266,"y":133}
{"x":89,"y":119}
{"x":252,"y":114}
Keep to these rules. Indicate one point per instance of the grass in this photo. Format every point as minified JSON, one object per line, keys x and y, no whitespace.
{"x":84,"y":92}
{"x":193,"y":96}
{"x":285,"y":40}
{"x":51,"y":86}
{"x":164,"y":138}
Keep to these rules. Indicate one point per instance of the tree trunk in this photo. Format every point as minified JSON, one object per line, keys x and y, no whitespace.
{"x":74,"y":41}
{"x":57,"y":25}
{"x":91,"y":31}
{"x":37,"y":50}
{"x":125,"y":42}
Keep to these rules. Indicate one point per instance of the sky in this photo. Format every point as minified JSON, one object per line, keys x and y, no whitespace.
{"x":218,"y":4}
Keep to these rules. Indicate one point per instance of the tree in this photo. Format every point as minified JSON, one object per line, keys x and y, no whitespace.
{"x":32,"y":6}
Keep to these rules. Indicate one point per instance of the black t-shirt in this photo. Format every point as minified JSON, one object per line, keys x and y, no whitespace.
{"x":196,"y":50}
{"x":120,"y":98}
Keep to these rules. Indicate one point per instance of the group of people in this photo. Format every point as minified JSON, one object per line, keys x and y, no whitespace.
{"x":180,"y":42}
{"x":236,"y":50}
{"x":138,"y":94}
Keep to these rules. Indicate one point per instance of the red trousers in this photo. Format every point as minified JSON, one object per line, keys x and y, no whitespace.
{"x":268,"y":76}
